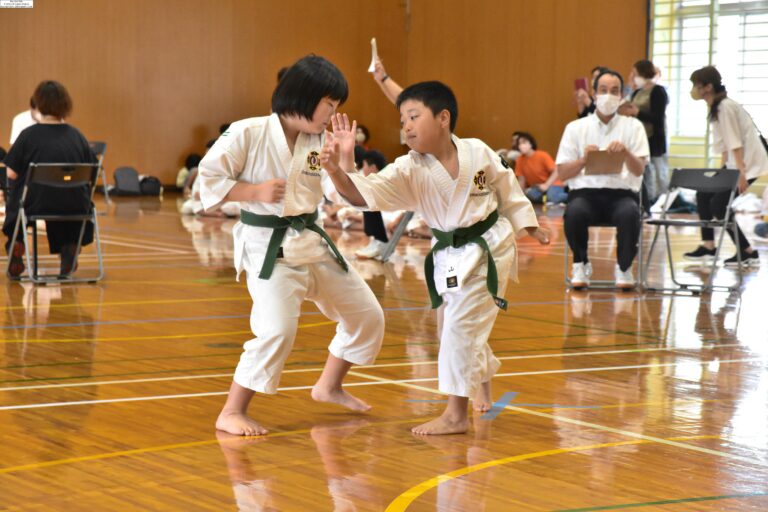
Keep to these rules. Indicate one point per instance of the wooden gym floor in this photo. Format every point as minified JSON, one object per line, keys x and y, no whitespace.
{"x":613,"y":400}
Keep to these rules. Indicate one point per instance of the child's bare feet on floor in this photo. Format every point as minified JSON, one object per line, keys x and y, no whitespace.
{"x":340,"y":397}
{"x":482,"y":401}
{"x":239,"y":424}
{"x":442,"y":426}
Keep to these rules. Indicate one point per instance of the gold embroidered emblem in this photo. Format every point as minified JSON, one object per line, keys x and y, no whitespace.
{"x":313,"y":160}
{"x":479,"y":180}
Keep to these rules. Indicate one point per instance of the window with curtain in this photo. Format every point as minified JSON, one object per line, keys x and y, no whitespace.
{"x":729,"y":34}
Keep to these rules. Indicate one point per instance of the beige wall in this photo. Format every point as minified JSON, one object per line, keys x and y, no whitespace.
{"x":155,"y":78}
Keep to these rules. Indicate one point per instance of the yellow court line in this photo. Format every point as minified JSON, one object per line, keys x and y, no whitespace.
{"x":140,"y":338}
{"x":573,"y":421}
{"x":154,"y":449}
{"x":403,"y":501}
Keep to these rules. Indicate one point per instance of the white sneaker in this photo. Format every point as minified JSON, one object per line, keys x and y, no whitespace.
{"x":581,"y":274}
{"x":624,"y":280}
{"x":372,"y":251}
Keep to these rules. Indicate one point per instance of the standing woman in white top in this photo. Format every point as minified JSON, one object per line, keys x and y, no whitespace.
{"x":735,"y":136}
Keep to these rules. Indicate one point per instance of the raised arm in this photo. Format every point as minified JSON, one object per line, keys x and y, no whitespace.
{"x":389,"y":87}
{"x":338,"y":158}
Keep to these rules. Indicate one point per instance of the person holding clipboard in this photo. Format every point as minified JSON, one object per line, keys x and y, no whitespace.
{"x":602,"y":158}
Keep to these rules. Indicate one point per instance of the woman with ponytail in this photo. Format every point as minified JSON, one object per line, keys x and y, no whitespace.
{"x":736,"y":137}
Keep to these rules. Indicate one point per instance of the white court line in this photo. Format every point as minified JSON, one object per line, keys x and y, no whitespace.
{"x":169,"y":245}
{"x":364,"y":367}
{"x":381,"y":380}
{"x":148,"y":247}
{"x":596,"y":426}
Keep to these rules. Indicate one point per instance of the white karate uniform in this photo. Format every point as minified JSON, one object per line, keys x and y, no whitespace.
{"x":253,"y":151}
{"x":418,"y":182}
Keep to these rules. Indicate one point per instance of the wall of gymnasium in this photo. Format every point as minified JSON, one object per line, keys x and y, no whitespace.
{"x":156,"y":79}
{"x":512,"y":63}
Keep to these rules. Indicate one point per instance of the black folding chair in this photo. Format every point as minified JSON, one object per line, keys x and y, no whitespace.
{"x":700,"y":180}
{"x":610,"y":283}
{"x":63,"y":177}
{"x":99,"y":148}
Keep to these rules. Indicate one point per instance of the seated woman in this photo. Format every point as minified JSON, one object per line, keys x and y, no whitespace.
{"x":536,"y":172}
{"x":51,"y":140}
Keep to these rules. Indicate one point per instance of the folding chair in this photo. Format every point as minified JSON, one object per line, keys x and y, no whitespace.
{"x":700,"y":180}
{"x":399,"y":230}
{"x":610,"y":283}
{"x":62,"y":177}
{"x":99,"y":148}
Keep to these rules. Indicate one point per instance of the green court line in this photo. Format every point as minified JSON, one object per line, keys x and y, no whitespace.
{"x":665,"y":502}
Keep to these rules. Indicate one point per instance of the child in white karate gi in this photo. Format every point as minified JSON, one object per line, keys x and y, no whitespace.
{"x":475,"y":207}
{"x":271,"y":165}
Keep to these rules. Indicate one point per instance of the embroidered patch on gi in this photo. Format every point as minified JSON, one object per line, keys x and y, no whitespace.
{"x":452,"y":282}
{"x":479,"y":180}
{"x":313,"y":161}
{"x":504,"y":162}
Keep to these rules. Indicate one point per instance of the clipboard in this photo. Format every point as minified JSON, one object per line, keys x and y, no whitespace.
{"x":602,"y":162}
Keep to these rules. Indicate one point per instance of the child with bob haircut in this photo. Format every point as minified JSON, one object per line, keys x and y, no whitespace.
{"x":271,"y":165}
{"x":475,"y":207}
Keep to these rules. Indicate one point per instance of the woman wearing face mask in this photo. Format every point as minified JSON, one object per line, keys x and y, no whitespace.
{"x":605,"y":198}
{"x":736,"y":138}
{"x":361,"y":136}
{"x":649,"y":105}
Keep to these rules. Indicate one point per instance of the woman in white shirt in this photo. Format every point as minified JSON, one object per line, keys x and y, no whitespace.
{"x":736,"y":137}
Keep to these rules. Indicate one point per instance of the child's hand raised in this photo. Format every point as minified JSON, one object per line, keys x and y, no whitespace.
{"x":344,"y":138}
{"x":540,"y":234}
{"x":330,"y":154}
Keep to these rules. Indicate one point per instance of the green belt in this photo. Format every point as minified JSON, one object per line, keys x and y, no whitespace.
{"x":279,"y":227}
{"x":458,"y":238}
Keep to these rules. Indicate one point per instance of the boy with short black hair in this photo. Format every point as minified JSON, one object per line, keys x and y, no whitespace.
{"x":474,"y":205}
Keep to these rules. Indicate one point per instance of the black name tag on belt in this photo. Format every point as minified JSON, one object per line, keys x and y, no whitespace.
{"x":279,"y":253}
{"x":452,"y":282}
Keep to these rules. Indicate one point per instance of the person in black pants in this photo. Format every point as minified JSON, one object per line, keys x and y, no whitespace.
{"x":51,"y":140}
{"x":737,"y":139}
{"x":373,"y":223}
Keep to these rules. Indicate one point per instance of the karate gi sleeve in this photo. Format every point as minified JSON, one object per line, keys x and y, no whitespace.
{"x":221,"y":167}
{"x":512,"y":201}
{"x":392,"y":188}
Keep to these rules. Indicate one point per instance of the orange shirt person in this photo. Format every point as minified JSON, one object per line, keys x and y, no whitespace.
{"x":536,"y":171}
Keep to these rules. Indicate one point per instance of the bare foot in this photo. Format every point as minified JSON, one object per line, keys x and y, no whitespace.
{"x":442,"y":426}
{"x":482,"y":401}
{"x":239,"y":424}
{"x":340,"y":397}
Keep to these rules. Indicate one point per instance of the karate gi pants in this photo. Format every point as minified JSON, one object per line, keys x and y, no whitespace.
{"x":341,"y":296}
{"x":465,"y":320}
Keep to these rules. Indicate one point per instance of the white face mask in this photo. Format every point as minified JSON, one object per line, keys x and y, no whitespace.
{"x":640,"y":82}
{"x":607,"y":104}
{"x":359,"y":137}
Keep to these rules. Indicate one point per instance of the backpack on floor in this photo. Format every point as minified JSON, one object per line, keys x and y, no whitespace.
{"x":126,"y":182}
{"x":150,"y":186}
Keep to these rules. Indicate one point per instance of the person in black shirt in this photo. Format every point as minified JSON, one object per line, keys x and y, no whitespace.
{"x":649,"y":105}
{"x":52,"y":140}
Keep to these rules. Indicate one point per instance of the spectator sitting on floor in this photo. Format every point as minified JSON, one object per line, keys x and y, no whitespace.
{"x":537,"y":174}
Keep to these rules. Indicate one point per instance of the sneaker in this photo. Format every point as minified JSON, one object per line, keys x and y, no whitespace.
{"x":700,"y":254}
{"x":747,"y":260}
{"x":68,"y":260}
{"x":581,"y":274}
{"x":16,"y":268}
{"x":372,"y":251}
{"x":624,"y":278}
